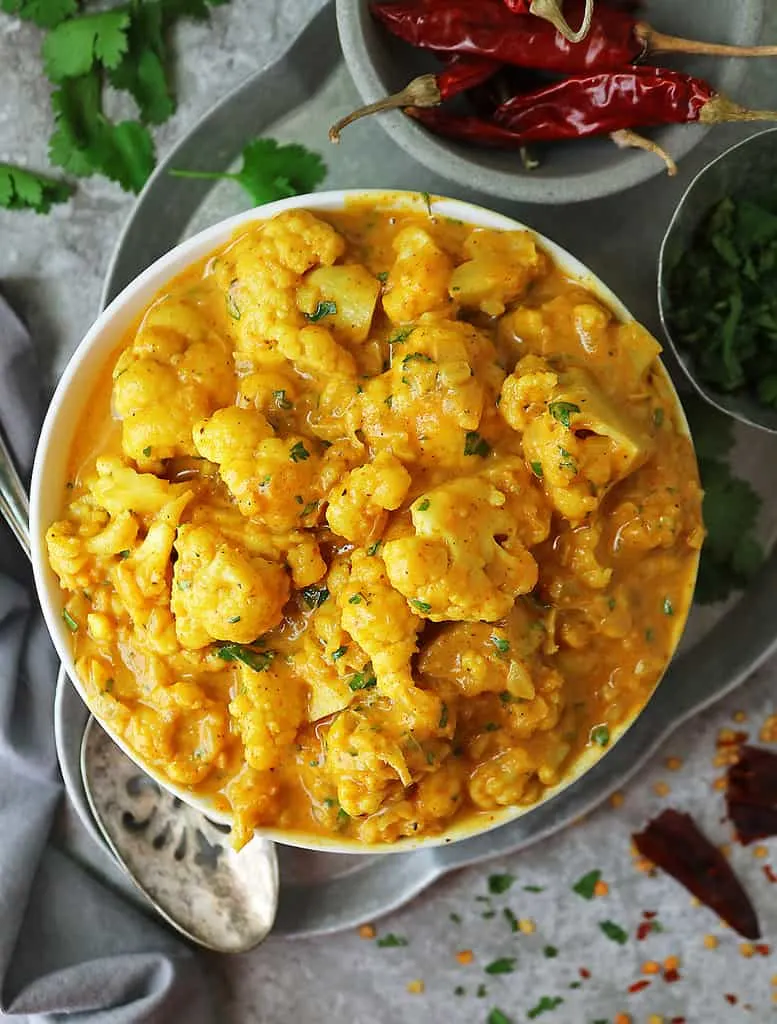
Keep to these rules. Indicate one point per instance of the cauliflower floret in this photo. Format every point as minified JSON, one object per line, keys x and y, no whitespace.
{"x":527,"y":392}
{"x":177,"y":370}
{"x":118,"y":488}
{"x":464,"y":561}
{"x":276,"y":481}
{"x":501,"y":265}
{"x":358,"y":504}
{"x":502,"y":780}
{"x":268,"y":709}
{"x":220,"y":592}
{"x":418,"y":281}
{"x":315,"y":352}
{"x":261,"y":272}
{"x":367,"y":763}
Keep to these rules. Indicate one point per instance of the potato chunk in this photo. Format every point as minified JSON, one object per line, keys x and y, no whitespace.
{"x":354,"y":292}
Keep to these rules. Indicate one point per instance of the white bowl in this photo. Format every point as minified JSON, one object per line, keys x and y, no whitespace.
{"x":73,"y":393}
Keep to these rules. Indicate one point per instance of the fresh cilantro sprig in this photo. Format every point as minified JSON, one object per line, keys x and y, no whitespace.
{"x":26,"y":190}
{"x":271,"y":171}
{"x":43,"y":13}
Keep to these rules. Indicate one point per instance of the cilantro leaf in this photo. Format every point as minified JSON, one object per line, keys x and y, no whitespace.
{"x":586,"y":885}
{"x":25,"y":190}
{"x":86,"y":142}
{"x":614,"y":932}
{"x":141,"y":71}
{"x":259,"y":661}
{"x":271,"y":171}
{"x":497,"y":884}
{"x":504,"y":965}
{"x":76,"y":45}
{"x":43,"y":13}
{"x":497,"y":1017}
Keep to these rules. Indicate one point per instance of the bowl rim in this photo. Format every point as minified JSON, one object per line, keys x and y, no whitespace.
{"x":89,"y":360}
{"x":448,"y":159}
{"x":717,"y":399}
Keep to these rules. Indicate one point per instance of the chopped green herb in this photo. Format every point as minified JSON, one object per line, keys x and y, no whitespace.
{"x":611,"y":603}
{"x":336,"y":655}
{"x":586,"y":885}
{"x":456,"y":918}
{"x":504,"y":965}
{"x":491,"y":727}
{"x":567,"y":462}
{"x":281,"y":400}
{"x":259,"y":661}
{"x":474,"y":444}
{"x":147,"y":450}
{"x":497,"y":1017}
{"x":391,"y":941}
{"x":382,"y":276}
{"x":362,"y":681}
{"x":423,"y":505}
{"x":511,"y":919}
{"x":509,"y":698}
{"x":298,"y":452}
{"x":550,"y":952}
{"x":109,"y":684}
{"x":482,"y":991}
{"x":314,"y":597}
{"x":69,"y":621}
{"x":562,"y":411}
{"x":459,"y":991}
{"x":575,"y":984}
{"x":497,"y":884}
{"x":502,"y":645}
{"x":355,"y":599}
{"x":388,"y":400}
{"x":668,"y":607}
{"x":614,"y":932}
{"x":234,"y":619}
{"x":428,"y":201}
{"x":545,"y":1005}
{"x":658,"y":417}
{"x":600,"y":735}
{"x":343,"y":817}
{"x":324,"y":308}
{"x":329,"y":801}
{"x":373,"y":548}
{"x":420,"y":606}
{"x":650,"y":634}
{"x":400,"y":335}
{"x":124,"y":554}
{"x":534,"y":888}
{"x":488,"y":914}
{"x":536,"y":468}
{"x":443,"y":716}
{"x":416,"y":357}
{"x":21,"y":189}
{"x":232,"y":307}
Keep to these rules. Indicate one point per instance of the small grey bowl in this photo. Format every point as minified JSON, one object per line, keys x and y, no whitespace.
{"x":569,"y":172}
{"x":748,"y":167}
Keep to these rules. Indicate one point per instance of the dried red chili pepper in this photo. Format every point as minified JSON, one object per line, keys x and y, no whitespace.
{"x":460,"y":74}
{"x":673,"y":842}
{"x":549,"y":10}
{"x":584,"y":105}
{"x":482,"y":132}
{"x":488,"y":29}
{"x":751,"y":794}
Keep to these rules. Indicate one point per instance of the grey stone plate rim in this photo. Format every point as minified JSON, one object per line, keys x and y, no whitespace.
{"x":325,"y":893}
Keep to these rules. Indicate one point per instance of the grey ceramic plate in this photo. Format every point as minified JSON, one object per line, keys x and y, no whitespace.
{"x":618,"y":239}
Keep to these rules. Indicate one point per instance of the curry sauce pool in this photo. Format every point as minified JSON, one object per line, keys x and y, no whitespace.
{"x":376,"y":522}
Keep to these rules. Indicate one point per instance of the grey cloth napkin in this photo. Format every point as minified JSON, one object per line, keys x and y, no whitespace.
{"x":70,"y":947}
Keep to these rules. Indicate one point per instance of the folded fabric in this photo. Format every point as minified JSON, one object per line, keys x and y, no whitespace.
{"x":70,"y":946}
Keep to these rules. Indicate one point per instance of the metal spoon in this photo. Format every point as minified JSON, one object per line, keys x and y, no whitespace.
{"x":181,"y":861}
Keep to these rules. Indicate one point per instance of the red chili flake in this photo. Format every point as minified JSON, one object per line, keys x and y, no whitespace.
{"x":763,"y":948}
{"x":671,"y":975}
{"x":751,"y":794}
{"x":584,"y":973}
{"x":769,"y":872}
{"x":644,"y":929}
{"x":731,"y":998}
{"x":677,"y":1020}
{"x":673,"y":842}
{"x":638,"y":986}
{"x":731,"y":737}
{"x":649,"y":914}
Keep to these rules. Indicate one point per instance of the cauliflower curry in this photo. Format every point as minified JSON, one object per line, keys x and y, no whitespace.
{"x":379,"y":522}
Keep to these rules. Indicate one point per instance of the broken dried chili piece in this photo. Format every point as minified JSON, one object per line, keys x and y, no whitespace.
{"x":673,"y":842}
{"x":751,"y":794}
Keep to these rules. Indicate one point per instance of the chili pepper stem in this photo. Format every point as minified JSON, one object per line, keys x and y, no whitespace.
{"x":550,"y":11}
{"x":720,"y":109}
{"x":657,"y":42}
{"x":626,"y":139}
{"x":421,"y":92}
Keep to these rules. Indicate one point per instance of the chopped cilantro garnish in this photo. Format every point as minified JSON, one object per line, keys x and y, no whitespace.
{"x":482,"y":991}
{"x":233,"y":309}
{"x":234,"y":619}
{"x":69,"y":621}
{"x":147,"y":450}
{"x":362,"y":681}
{"x":504,"y":965}
{"x":668,"y":607}
{"x":298,"y":452}
{"x":561,"y":411}
{"x":456,"y":918}
{"x":309,"y":509}
{"x":314,"y":597}
{"x":545,"y":1005}
{"x":536,"y":468}
{"x":511,"y":919}
{"x":259,"y":661}
{"x":391,"y":941}
{"x":600,"y":735}
{"x":502,"y":645}
{"x":658,"y":417}
{"x":373,"y":548}
{"x":281,"y":400}
{"x":382,"y":276}
{"x":474,"y":444}
{"x":497,"y":1017}
{"x":400,"y":335}
{"x":534,"y":888}
{"x":614,"y":932}
{"x":586,"y":885}
{"x":336,"y":655}
{"x":416,"y":357}
{"x":422,"y":506}
{"x":550,"y":952}
{"x":388,"y":400}
{"x":420,"y":606}
{"x":124,"y":554}
{"x":650,"y":634}
{"x":324,"y":308}
{"x":443,"y":716}
{"x":355,"y":599}
{"x":271,"y":171}
{"x":343,"y":817}
{"x":428,"y":201}
{"x":21,"y":189}
{"x":497,"y":884}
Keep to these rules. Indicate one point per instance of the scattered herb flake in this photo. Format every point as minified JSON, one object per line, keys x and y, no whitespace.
{"x":147,"y":450}
{"x":233,"y":619}
{"x":124,"y":554}
{"x":324,"y":308}
{"x":658,"y":417}
{"x":400,"y":335}
{"x":550,"y":952}
{"x":259,"y":661}
{"x":416,"y":357}
{"x":534,"y":888}
{"x":474,"y":444}
{"x":373,"y":548}
{"x":456,"y":918}
{"x":511,"y":919}
{"x":614,"y":932}
{"x":281,"y":400}
{"x":336,"y":655}
{"x":586,"y":885}
{"x":443,"y":716}
{"x":314,"y":597}
{"x":536,"y":468}
{"x":562,"y":411}
{"x":504,"y":965}
{"x":423,"y":505}
{"x":309,"y":509}
{"x":355,"y":599}
{"x":600,"y":735}
{"x":392,"y":941}
{"x":382,"y":276}
{"x":298,"y":452}
{"x":497,"y":884}
{"x":233,"y":309}
{"x":420,"y":606}
{"x":668,"y":607}
{"x":362,"y":681}
{"x":69,"y":621}
{"x":502,"y":645}
{"x":545,"y":1005}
